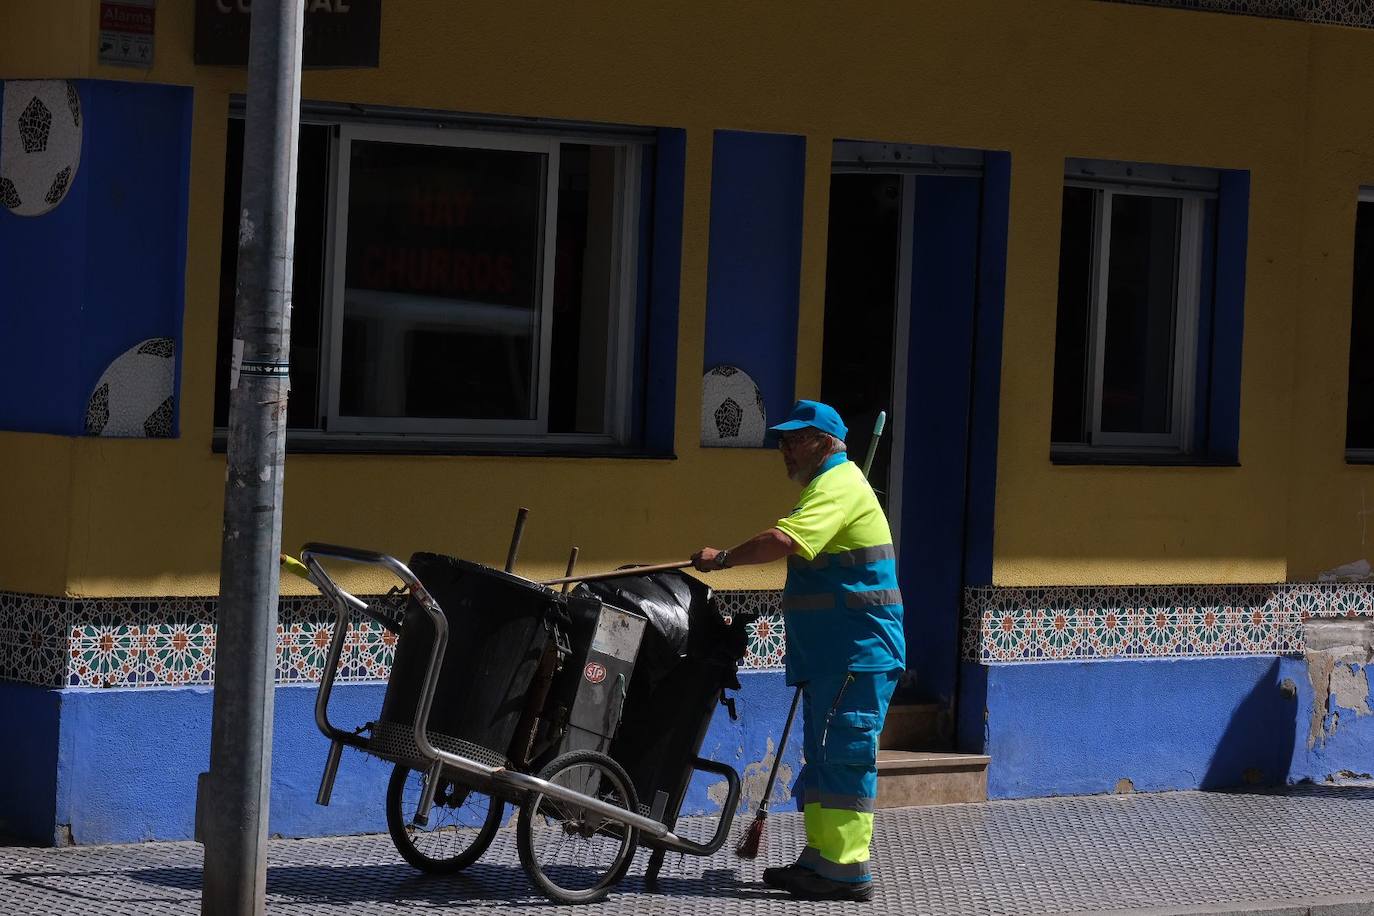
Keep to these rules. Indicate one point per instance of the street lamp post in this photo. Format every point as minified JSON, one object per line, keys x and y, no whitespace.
{"x":232,"y":799}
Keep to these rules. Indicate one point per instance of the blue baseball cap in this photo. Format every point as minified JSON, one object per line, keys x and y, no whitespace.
{"x":815,"y":415}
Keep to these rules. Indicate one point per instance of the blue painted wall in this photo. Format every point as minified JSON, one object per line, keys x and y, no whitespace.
{"x":28,"y":761}
{"x":971,"y":680}
{"x":1228,"y":317}
{"x":753,"y":277}
{"x":661,"y":272}
{"x":944,"y":286}
{"x":103,"y":270}
{"x":1079,"y":727}
{"x":124,"y":765}
{"x":985,"y":406}
{"x":130,"y":759}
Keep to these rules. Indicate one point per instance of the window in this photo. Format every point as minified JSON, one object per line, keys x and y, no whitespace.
{"x":1359,"y":422}
{"x":1132,"y":284}
{"x":457,"y":285}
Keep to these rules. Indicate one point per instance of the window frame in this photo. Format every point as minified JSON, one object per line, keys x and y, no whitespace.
{"x":1357,"y":455}
{"x":1187,"y":302}
{"x":332,"y":427}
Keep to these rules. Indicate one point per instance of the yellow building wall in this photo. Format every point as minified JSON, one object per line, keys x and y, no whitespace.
{"x":1331,"y":504}
{"x":1044,"y":80}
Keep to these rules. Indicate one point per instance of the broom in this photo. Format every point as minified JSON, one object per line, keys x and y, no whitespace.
{"x":751,"y":844}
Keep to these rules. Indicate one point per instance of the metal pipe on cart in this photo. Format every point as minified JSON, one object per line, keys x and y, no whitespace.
{"x":516,"y":537}
{"x":232,"y":798}
{"x":618,"y":573}
{"x":567,"y":576}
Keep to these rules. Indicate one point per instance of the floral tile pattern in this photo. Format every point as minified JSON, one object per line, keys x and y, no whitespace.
{"x":1097,"y":623}
{"x":1332,"y":12}
{"x":765,"y":650}
{"x":118,"y":642}
{"x":135,"y":642}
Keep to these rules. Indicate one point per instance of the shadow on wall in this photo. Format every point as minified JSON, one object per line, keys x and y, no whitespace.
{"x":1256,"y":747}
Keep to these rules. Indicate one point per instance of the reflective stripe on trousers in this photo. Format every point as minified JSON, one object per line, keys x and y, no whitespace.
{"x":841,"y":717}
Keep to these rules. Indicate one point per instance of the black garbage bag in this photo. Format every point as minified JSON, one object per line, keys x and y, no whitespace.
{"x":667,"y":600}
{"x":689,"y":656}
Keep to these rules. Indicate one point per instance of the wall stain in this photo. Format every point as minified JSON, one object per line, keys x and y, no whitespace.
{"x":753,"y":780}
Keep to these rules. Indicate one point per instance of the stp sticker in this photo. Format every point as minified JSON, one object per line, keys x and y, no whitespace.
{"x":595,"y":672}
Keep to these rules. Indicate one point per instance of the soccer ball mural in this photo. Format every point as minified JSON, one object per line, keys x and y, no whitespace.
{"x":40,"y":144}
{"x":732,"y":410}
{"x":134,"y":398}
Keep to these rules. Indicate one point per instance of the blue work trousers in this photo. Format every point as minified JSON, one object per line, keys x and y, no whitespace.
{"x":841,"y":716}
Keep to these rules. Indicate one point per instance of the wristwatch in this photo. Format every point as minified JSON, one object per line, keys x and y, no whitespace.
{"x":723,"y":559}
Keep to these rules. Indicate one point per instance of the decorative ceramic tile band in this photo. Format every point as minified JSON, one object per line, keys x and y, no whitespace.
{"x":126,"y":642}
{"x":1096,"y":623}
{"x":1359,"y":13}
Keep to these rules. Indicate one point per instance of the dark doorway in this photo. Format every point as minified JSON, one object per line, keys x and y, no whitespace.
{"x":863,"y":267}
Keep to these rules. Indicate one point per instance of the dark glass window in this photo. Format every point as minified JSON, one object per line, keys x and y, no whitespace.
{"x":1359,"y":424}
{"x":1142,"y":286}
{"x":441,"y":300}
{"x":1076,"y":277}
{"x":1117,"y":342}
{"x":307,"y":281}
{"x":463,"y":301}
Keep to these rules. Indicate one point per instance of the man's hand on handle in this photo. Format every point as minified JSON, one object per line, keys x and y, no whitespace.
{"x":704,"y":560}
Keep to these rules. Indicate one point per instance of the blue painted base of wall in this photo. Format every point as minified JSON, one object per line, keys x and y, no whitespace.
{"x":102,"y":766}
{"x":117,"y":766}
{"x":1082,"y":728}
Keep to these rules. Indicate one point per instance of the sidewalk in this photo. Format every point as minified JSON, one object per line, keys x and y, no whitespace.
{"x":1309,"y":850}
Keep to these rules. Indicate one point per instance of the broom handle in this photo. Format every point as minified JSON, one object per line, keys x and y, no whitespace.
{"x":782,"y":746}
{"x":619,"y":573}
{"x":873,"y":443}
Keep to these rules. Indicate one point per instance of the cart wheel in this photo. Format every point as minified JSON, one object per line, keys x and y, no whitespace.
{"x":461,"y":825}
{"x":572,"y":855}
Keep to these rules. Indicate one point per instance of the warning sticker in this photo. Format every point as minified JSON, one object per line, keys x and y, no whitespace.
{"x":595,"y":672}
{"x":126,"y":32}
{"x":618,"y":634}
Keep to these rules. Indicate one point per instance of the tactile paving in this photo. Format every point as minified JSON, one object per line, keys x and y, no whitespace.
{"x":1014,"y":858}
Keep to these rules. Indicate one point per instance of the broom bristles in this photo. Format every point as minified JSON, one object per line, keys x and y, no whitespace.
{"x":751,"y":844}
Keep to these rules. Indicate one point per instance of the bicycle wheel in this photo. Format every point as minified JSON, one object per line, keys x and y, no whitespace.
{"x":462,"y":822}
{"x":571,"y":854}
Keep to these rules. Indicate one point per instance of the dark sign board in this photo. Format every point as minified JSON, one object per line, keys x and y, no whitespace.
{"x":338,"y":33}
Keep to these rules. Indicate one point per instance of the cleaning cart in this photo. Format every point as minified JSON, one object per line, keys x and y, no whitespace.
{"x":507,"y":691}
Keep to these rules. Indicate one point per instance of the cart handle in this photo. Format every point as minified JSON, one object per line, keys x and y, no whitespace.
{"x":343,"y":601}
{"x":620,"y":573}
{"x":673,"y":843}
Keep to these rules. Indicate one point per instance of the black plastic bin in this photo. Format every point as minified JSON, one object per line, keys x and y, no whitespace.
{"x":499,"y":629}
{"x":689,"y":656}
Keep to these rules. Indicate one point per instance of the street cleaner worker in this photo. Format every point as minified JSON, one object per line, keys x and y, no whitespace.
{"x":844,"y":642}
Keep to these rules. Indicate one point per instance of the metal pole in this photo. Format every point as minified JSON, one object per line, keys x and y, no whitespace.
{"x":232,"y":799}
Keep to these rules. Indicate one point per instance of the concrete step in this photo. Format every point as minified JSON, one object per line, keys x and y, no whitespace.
{"x":910,"y":778}
{"x":915,"y":725}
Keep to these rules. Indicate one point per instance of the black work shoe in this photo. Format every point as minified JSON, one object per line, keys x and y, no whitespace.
{"x":805,"y":884}
{"x":777,"y":877}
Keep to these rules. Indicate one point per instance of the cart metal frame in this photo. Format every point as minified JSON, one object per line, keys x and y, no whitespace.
{"x":500,"y":781}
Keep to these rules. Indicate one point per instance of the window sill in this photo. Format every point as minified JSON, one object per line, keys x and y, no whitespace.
{"x":1138,"y":460}
{"x":1359,"y":456}
{"x":417,"y":446}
